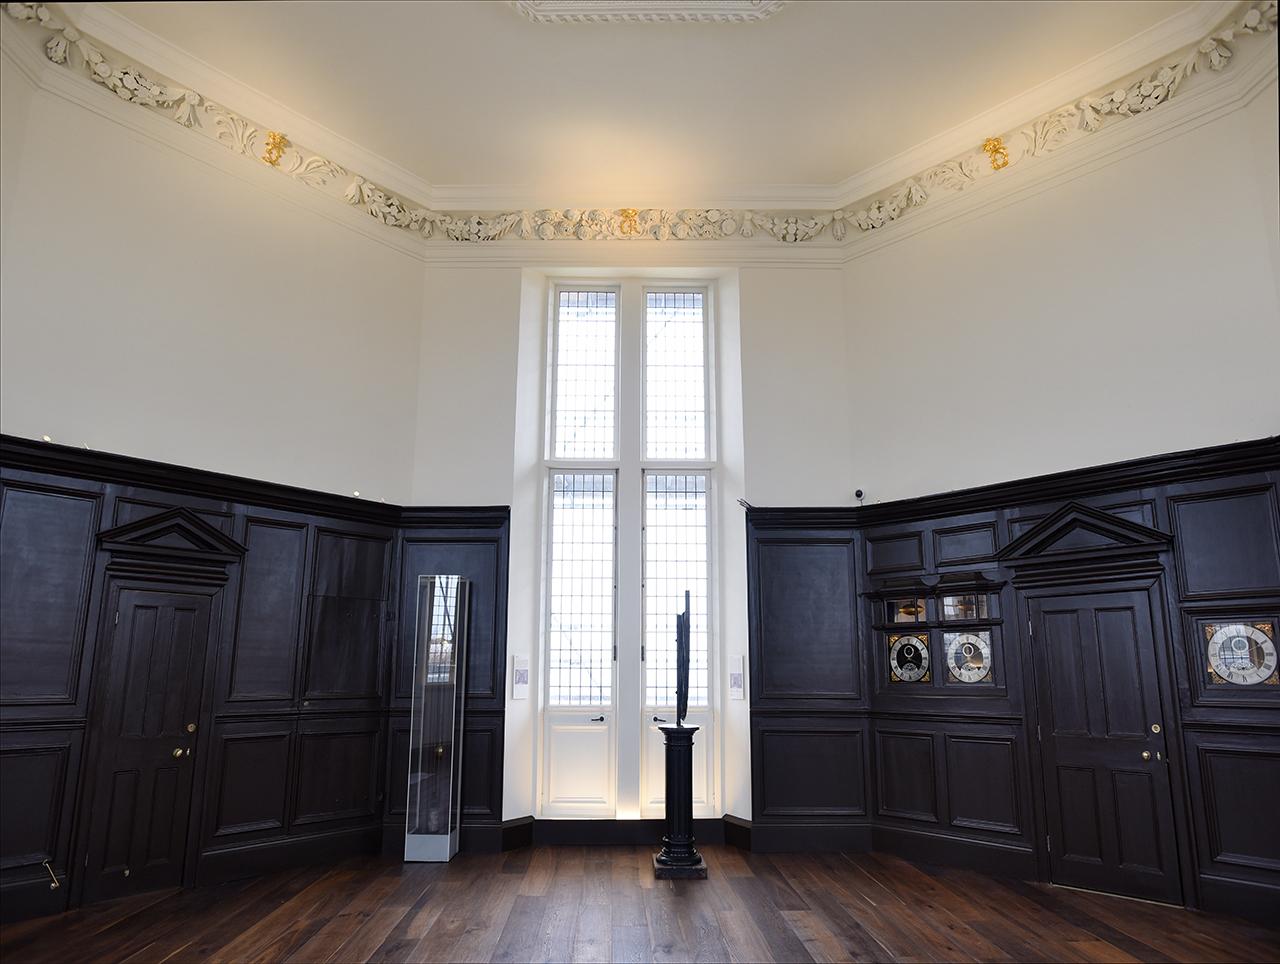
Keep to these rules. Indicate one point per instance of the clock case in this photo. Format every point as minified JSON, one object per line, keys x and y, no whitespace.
{"x":1205,"y":689}
{"x":930,"y":590}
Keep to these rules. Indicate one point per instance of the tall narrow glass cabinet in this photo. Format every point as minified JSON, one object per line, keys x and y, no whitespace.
{"x":435,"y":724}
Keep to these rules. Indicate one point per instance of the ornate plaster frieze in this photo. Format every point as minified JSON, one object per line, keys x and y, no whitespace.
{"x":647,"y":11}
{"x":1086,"y":116}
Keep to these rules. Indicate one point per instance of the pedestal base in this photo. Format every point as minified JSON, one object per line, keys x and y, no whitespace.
{"x":696,"y":871}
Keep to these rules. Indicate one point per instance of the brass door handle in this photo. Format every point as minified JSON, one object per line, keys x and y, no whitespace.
{"x":1146,"y":754}
{"x":177,"y":752}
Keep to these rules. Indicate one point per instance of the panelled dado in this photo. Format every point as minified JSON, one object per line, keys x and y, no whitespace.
{"x":1091,"y":603}
{"x":301,"y":706}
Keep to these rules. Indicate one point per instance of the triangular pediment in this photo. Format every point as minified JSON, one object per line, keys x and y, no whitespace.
{"x":175,"y":532}
{"x":1075,"y":530}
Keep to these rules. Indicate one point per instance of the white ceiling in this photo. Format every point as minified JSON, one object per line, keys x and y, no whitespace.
{"x":475,"y":96}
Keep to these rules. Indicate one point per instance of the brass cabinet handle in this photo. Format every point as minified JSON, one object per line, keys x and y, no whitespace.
{"x":1146,"y":754}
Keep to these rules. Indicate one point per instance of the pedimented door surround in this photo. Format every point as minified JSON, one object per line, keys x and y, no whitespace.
{"x":1090,"y":584}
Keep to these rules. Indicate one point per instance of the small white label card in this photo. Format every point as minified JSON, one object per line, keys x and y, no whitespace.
{"x":519,"y":677}
{"x":737,"y":681}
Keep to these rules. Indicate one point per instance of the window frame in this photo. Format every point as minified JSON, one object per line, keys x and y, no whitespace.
{"x":553,"y":376}
{"x":709,"y":453}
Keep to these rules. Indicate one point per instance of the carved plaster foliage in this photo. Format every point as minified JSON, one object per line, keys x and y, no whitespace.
{"x":67,"y":47}
{"x":647,"y":11}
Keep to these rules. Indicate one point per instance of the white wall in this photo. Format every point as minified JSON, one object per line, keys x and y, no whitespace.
{"x":1129,"y":312}
{"x":467,"y":387}
{"x":16,"y":93}
{"x":155,"y":306}
{"x":795,"y":387}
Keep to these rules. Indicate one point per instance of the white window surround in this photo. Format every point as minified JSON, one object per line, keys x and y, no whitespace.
{"x":632,"y":748}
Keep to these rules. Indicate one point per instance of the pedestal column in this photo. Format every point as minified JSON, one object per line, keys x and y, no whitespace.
{"x":678,"y":857}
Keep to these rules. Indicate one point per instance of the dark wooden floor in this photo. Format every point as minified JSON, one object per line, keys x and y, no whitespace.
{"x":602,"y":903}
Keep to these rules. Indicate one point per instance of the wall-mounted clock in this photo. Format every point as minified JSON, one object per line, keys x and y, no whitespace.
{"x":1241,"y":653}
{"x":909,"y":658}
{"x":968,"y":656}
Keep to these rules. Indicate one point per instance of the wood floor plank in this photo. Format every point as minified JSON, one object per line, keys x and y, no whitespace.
{"x":593,"y":904}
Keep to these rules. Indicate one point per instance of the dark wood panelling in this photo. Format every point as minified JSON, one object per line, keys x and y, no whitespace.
{"x":397,"y":770}
{"x":292,"y":762}
{"x":46,"y":549}
{"x":982,"y":783}
{"x":809,"y":769}
{"x":804,"y":621}
{"x":480,"y":556}
{"x":963,"y":545}
{"x":37,"y":775}
{"x":960,"y":777}
{"x":1228,"y":544}
{"x":906,"y":777}
{"x":339,"y":766}
{"x":897,"y":553}
{"x":482,"y":768}
{"x":264,"y":653}
{"x":1240,"y":784}
{"x":251,"y":777}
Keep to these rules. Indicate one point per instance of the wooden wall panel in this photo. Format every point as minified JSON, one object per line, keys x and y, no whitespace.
{"x":250,"y":776}
{"x":983,"y":783}
{"x":46,"y":553}
{"x":906,"y":776}
{"x":1228,"y":543}
{"x":805,"y":617}
{"x":265,"y":647}
{"x":339,"y":771}
{"x":809,"y":769}
{"x":344,"y":637}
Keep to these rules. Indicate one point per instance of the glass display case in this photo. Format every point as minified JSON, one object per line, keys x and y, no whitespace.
{"x":435,"y":724}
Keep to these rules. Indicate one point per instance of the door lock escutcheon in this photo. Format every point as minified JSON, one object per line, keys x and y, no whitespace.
{"x":177,"y":752}
{"x":1155,"y":727}
{"x":191,"y":727}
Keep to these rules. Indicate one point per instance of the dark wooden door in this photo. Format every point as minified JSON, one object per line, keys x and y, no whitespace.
{"x":1106,"y":777}
{"x":145,"y":744}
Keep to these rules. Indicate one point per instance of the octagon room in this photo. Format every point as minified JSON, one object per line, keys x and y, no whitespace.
{"x":639,"y":480}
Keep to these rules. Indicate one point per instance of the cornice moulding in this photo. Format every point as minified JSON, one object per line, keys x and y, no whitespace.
{"x":648,"y":11}
{"x":151,"y":51}
{"x":1129,"y":103}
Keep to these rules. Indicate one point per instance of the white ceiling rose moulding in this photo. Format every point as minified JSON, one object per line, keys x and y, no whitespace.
{"x":648,"y":11}
{"x":1168,"y":80}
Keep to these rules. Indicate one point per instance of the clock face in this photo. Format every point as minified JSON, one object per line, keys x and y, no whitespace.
{"x":1241,"y":653}
{"x":909,"y":658}
{"x":968,"y":656}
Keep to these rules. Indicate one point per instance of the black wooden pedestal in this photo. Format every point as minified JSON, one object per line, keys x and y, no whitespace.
{"x":678,"y":859}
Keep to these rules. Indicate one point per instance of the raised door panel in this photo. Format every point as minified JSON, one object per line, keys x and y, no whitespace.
{"x":579,"y":778}
{"x":806,"y":621}
{"x":895,"y":553}
{"x":46,"y":557}
{"x":265,"y":647}
{"x":250,"y":780}
{"x":964,"y":545}
{"x":338,"y":772}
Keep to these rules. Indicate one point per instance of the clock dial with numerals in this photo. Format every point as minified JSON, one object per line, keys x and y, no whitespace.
{"x":909,"y":658}
{"x":1241,"y":653}
{"x":968,"y":656}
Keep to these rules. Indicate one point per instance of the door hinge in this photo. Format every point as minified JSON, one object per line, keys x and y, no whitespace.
{"x":615,"y":652}
{"x":642,"y":652}
{"x":1038,"y":736}
{"x":86,"y":860}
{"x":1047,"y":845}
{"x":117,"y":619}
{"x":1031,"y":633}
